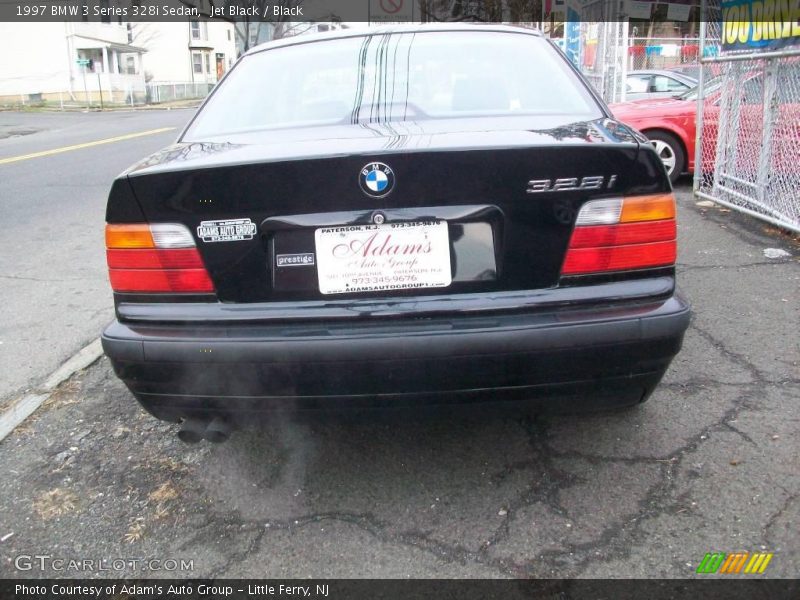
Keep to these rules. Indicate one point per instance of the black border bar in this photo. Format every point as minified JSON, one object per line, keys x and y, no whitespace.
{"x":727,"y":588}
{"x":373,"y":11}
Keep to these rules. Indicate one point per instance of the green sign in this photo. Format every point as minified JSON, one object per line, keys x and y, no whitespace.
{"x":83,"y":62}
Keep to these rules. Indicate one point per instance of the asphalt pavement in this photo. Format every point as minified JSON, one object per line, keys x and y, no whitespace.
{"x":708,"y":464}
{"x":55,"y":293}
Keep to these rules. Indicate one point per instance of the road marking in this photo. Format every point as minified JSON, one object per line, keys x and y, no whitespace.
{"x":119,"y":138}
{"x":23,"y":407}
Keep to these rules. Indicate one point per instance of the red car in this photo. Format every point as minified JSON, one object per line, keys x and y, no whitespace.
{"x":670,"y":123}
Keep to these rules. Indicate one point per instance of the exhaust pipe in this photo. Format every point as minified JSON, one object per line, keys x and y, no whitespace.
{"x":192,"y":430}
{"x":217,"y":431}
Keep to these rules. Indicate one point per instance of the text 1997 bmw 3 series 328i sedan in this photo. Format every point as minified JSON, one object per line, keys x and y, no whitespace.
{"x":394,"y":217}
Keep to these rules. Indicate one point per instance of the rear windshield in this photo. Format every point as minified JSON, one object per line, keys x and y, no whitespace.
{"x":394,"y":77}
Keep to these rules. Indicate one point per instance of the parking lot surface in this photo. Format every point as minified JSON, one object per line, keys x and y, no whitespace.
{"x":708,"y":464}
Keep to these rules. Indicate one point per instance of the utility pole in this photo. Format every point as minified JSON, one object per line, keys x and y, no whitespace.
{"x":100,"y":89}
{"x":85,"y":89}
{"x":83,"y":63}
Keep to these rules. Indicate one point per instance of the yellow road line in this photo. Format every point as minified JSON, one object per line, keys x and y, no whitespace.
{"x":119,"y":138}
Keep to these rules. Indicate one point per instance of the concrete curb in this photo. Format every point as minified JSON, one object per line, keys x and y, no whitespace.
{"x":21,"y":408}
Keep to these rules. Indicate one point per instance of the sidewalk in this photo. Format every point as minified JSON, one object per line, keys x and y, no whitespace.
{"x":77,"y":107}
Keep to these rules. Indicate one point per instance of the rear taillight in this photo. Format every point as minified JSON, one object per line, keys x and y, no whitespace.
{"x":621,"y":234}
{"x":155,"y":258}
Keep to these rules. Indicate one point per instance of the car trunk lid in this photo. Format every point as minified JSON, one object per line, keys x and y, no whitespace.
{"x":502,"y":199}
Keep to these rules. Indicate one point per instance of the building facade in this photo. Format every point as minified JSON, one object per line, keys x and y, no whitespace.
{"x":114,"y":62}
{"x":198,"y":52}
{"x":69,"y":62}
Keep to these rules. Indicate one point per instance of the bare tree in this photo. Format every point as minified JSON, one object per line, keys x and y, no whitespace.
{"x":525,"y":11}
{"x":481,"y":10}
{"x":142,"y":34}
{"x":249,"y":27}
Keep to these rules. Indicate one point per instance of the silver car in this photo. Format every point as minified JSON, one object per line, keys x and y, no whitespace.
{"x":656,"y":84}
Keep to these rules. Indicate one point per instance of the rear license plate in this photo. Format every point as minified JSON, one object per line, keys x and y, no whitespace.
{"x":391,"y":256}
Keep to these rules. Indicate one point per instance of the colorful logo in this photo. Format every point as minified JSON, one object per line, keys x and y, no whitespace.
{"x":376,"y":179}
{"x":735,"y":563}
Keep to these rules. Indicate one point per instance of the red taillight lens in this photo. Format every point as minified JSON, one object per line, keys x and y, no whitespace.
{"x":619,"y":258}
{"x":158,"y":258}
{"x":187,"y":258}
{"x":151,"y":280}
{"x":623,"y":234}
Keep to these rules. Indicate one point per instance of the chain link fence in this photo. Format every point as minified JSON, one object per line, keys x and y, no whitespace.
{"x":170,"y":91}
{"x":603,"y":57}
{"x":607,"y":58}
{"x":663,"y":53}
{"x":748,"y":127}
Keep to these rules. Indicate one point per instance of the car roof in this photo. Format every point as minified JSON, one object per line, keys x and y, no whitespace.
{"x":665,"y":72}
{"x":386,"y":29}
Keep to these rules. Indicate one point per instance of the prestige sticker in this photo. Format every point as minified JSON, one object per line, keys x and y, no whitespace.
{"x":305,"y":259}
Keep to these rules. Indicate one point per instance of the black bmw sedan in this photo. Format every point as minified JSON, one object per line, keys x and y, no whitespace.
{"x":394,"y":217}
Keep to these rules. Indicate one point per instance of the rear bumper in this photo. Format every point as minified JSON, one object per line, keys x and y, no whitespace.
{"x":609,"y":354}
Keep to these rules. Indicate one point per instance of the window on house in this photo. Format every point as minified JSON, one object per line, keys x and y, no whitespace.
{"x":199,"y":30}
{"x":208,"y":63}
{"x":130,"y":65}
{"x":197,"y":62}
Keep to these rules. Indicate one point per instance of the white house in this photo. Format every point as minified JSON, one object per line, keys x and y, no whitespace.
{"x":198,"y":52}
{"x":81,"y":62}
{"x":69,"y":62}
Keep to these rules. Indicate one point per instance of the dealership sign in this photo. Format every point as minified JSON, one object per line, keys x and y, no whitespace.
{"x":764,"y":24}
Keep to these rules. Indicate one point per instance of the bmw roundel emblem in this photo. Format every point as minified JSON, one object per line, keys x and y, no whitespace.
{"x":376,"y":179}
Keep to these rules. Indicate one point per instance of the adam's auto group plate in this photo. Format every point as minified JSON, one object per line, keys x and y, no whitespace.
{"x":391,"y":256}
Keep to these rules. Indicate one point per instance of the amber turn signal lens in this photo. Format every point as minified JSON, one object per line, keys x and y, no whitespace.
{"x":647,"y":208}
{"x":129,"y":236}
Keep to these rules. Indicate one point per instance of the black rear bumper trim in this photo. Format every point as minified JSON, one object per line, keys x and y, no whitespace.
{"x":459,"y":336}
{"x":171,"y":364}
{"x":353,"y":309}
